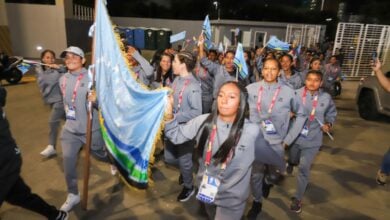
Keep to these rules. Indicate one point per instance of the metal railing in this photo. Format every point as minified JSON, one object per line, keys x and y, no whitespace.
{"x":81,"y":12}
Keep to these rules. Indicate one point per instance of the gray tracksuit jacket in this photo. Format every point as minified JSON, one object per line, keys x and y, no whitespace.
{"x":144,"y":70}
{"x":67,"y":85}
{"x":286,"y":102}
{"x":296,"y":81}
{"x":219,"y":72}
{"x":48,"y":83}
{"x":325,"y":112}
{"x":206,"y":81}
{"x":191,"y":103}
{"x":235,"y":179}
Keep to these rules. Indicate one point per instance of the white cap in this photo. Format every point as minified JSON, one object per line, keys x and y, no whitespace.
{"x":74,"y":50}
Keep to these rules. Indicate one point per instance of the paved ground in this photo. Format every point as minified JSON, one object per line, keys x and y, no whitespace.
{"x":342,"y":184}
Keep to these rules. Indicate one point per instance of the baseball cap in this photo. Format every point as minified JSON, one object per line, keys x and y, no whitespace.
{"x":74,"y":50}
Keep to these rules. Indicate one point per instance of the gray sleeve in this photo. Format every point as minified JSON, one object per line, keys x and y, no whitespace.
{"x":41,"y":84}
{"x":211,"y":67}
{"x":145,"y":65}
{"x":195,"y":105}
{"x":331,"y":112}
{"x":259,"y":63}
{"x":300,"y":120}
{"x":179,"y":134}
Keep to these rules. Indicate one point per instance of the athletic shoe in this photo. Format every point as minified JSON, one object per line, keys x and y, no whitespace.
{"x":71,"y":201}
{"x":381,"y":178}
{"x":255,"y":210}
{"x":296,"y":205}
{"x":186,"y":194}
{"x":49,"y":151}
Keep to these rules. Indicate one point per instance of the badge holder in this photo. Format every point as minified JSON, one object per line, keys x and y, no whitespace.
{"x":208,"y":189}
{"x":305,"y":131}
{"x":70,"y":113}
{"x":269,"y":127}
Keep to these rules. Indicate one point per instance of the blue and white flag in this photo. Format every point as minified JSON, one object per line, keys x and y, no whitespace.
{"x":239,"y":62}
{"x":276,"y":44}
{"x":206,"y":28}
{"x":176,"y":37}
{"x":131,"y":115}
{"x":23,"y":67}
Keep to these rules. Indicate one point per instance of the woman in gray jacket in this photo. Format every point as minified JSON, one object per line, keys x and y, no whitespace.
{"x":225,"y":149}
{"x":47,"y":79}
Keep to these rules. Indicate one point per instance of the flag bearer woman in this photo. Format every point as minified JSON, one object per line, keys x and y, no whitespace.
{"x":271,"y":104}
{"x":225,"y":149}
{"x":47,"y":79}
{"x":74,"y":89}
{"x":187,"y":105}
{"x":321,"y":110}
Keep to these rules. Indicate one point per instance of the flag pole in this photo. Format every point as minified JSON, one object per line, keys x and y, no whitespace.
{"x":84,"y":201}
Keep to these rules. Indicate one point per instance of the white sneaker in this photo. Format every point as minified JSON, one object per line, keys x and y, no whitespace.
{"x":49,"y":151}
{"x":71,"y":201}
{"x":114,"y":171}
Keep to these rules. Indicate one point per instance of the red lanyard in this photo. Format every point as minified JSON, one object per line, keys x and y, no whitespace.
{"x":76,"y":86}
{"x":259,"y":97}
{"x":209,"y":151}
{"x":181,"y":92}
{"x":314,"y":104}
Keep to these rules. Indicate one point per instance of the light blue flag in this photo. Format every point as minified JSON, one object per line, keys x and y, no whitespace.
{"x":276,"y":44}
{"x":23,"y":67}
{"x":176,"y":37}
{"x":131,"y":115}
{"x":206,"y":27}
{"x":220,"y":47}
{"x":239,"y":62}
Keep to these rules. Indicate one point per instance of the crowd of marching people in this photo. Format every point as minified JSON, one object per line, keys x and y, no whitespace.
{"x":240,"y":136}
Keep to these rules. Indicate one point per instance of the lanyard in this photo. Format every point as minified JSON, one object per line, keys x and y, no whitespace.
{"x":314,"y":104}
{"x":259,"y":97}
{"x":181,"y":92}
{"x":210,"y":150}
{"x":76,"y":86}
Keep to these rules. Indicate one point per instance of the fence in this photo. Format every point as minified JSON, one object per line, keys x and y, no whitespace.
{"x":301,"y":34}
{"x":81,"y":12}
{"x":358,"y":43}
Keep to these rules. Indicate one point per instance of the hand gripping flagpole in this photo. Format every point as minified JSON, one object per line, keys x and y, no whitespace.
{"x":84,"y":201}
{"x":322,"y":124}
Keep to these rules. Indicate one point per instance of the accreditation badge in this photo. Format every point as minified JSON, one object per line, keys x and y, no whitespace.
{"x":70,"y":112}
{"x":305,"y":131}
{"x":269,"y":127}
{"x":208,"y":189}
